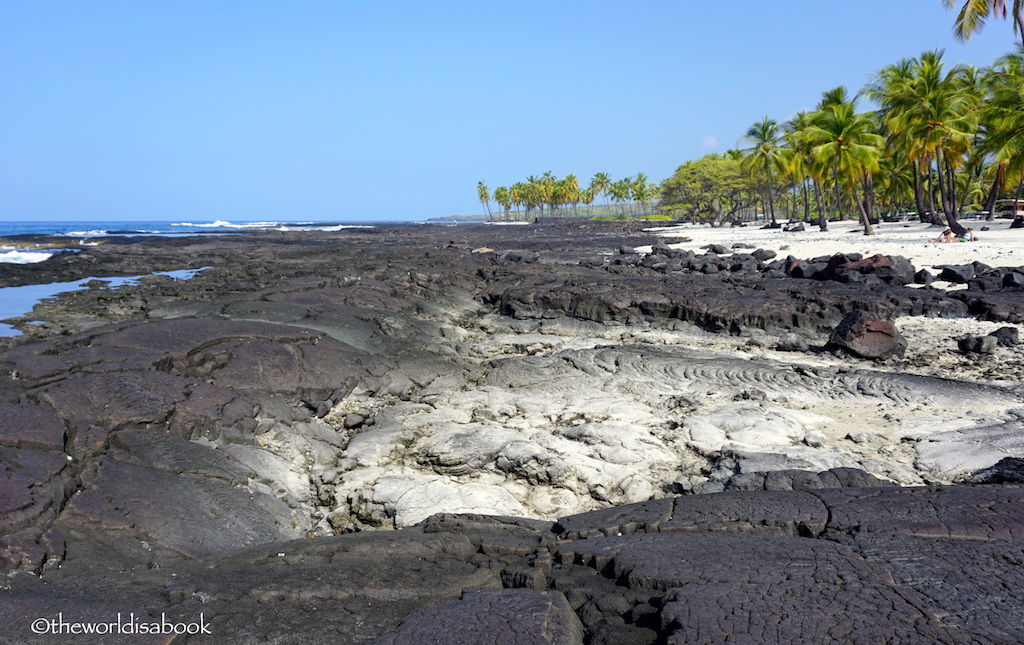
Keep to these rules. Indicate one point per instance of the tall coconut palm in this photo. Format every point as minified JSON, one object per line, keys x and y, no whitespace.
{"x":620,"y":193}
{"x":765,"y":154}
{"x":600,"y":183}
{"x":801,"y":165}
{"x":570,"y":189}
{"x":484,"y":194}
{"x":1002,"y":121}
{"x":502,"y":195}
{"x":848,"y":144}
{"x":974,"y":13}
{"x":894,"y":89}
{"x":933,"y":114}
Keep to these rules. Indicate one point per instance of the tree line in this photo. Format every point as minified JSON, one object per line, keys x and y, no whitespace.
{"x":940,"y":141}
{"x":549,"y":196}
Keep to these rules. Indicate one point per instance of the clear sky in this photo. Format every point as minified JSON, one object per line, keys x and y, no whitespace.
{"x":346,"y":111}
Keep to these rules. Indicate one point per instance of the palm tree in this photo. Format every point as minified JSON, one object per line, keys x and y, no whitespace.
{"x":503,"y":196}
{"x":933,"y":114}
{"x":765,"y":153}
{"x":600,"y":184}
{"x":1002,"y":121}
{"x":484,"y":194}
{"x":848,"y":144}
{"x":800,"y":164}
{"x":974,"y":13}
{"x":620,"y":192}
{"x":570,"y":191}
{"x":894,"y":89}
{"x":643,"y":192}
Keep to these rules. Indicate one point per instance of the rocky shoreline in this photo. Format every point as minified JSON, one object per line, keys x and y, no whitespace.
{"x":534,"y":407}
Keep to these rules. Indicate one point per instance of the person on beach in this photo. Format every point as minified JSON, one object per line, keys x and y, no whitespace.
{"x":946,"y":236}
{"x":968,"y":236}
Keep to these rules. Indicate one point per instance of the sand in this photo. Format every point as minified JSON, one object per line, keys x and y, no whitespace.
{"x":999,"y":246}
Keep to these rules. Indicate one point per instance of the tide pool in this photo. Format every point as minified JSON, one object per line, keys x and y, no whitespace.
{"x":19,"y":301}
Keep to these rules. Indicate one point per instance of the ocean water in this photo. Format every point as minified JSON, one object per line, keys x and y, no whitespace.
{"x":81,"y":232}
{"x":18,"y":301}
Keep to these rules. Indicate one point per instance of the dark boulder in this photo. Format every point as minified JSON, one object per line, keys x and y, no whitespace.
{"x":861,"y":334}
{"x":924,"y":276}
{"x":978,"y":344}
{"x":661,"y":248}
{"x":519,"y":255}
{"x":1009,"y":470}
{"x":959,"y":274}
{"x":763,"y":255}
{"x":890,"y":269}
{"x":813,"y":270}
{"x":1013,"y":280}
{"x":985,"y":283}
{"x":1007,"y":336}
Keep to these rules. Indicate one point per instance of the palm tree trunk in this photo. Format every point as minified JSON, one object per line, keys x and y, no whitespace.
{"x":919,"y":196}
{"x":932,"y":213}
{"x":993,"y":195}
{"x":865,"y":220}
{"x":948,"y":196}
{"x":807,"y":203}
{"x":822,"y":214}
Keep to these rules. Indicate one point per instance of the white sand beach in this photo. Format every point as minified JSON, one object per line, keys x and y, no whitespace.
{"x":999,"y":246}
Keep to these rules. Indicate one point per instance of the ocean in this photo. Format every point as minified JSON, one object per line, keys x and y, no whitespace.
{"x":24,"y":253}
{"x":18,"y":301}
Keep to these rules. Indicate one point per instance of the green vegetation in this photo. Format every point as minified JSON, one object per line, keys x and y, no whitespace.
{"x":943,"y":140}
{"x":713,"y":189}
{"x":549,"y":196}
{"x":940,"y":141}
{"x":974,"y":13}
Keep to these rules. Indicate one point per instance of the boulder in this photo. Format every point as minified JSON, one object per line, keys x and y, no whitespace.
{"x":792,"y":342}
{"x":959,"y":274}
{"x":985,"y":283}
{"x":861,"y":334}
{"x":1009,"y":470}
{"x":1007,"y":336}
{"x":890,"y":269}
{"x":978,"y":344}
{"x":717,"y":249}
{"x":1013,"y":280}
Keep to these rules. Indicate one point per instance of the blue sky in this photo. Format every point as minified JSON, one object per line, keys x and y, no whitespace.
{"x":345,"y":111}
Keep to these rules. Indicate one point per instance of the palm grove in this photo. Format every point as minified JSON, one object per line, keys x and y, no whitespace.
{"x":941,"y":140}
{"x":550,"y":196}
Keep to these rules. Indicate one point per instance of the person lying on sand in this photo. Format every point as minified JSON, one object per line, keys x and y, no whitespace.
{"x":946,"y":236}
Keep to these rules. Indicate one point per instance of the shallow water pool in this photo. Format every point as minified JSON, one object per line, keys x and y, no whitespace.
{"x":19,"y":301}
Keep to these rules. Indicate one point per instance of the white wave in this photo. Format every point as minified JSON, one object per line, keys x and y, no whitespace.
{"x":23,"y":257}
{"x":93,"y":233}
{"x":222,"y":224}
{"x":329,"y":229}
